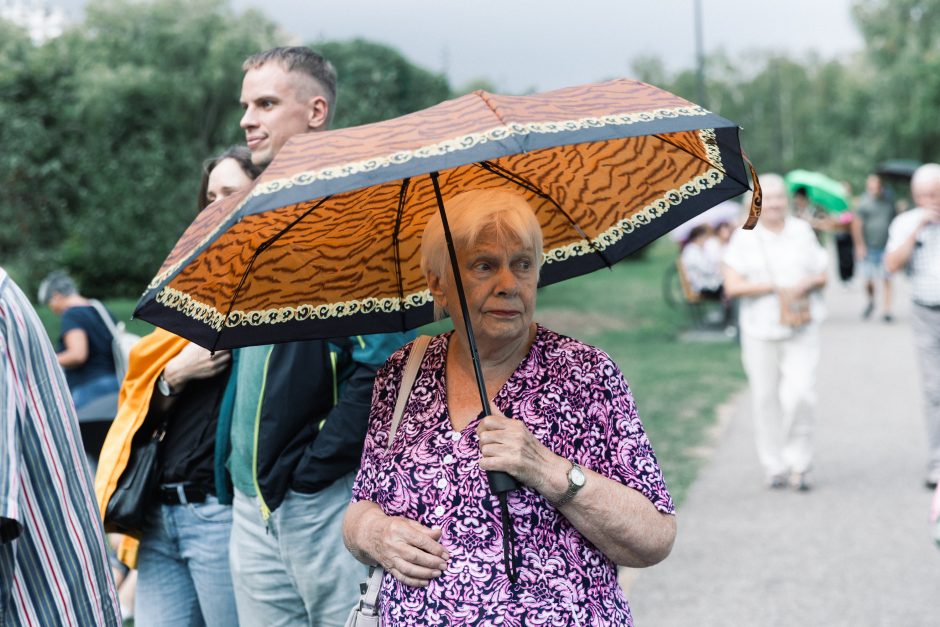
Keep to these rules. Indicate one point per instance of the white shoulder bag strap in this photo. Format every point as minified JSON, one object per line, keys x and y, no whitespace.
{"x":369,"y":602}
{"x":104,"y":316}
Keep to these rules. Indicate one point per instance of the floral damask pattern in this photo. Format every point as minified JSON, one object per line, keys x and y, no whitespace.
{"x":577,"y":403}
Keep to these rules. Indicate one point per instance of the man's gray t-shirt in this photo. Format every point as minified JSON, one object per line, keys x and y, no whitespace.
{"x":876,"y":215}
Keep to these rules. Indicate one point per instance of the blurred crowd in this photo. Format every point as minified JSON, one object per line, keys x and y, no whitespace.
{"x":261,"y":486}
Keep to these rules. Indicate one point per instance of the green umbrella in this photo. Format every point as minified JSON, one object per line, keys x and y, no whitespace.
{"x":822,"y":191}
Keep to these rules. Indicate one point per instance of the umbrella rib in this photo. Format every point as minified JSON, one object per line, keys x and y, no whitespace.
{"x":522,"y":182}
{"x":261,"y":248}
{"x":402,"y":192}
{"x":663,"y":139}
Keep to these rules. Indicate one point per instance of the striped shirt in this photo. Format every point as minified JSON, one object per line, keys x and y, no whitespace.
{"x":53,"y":565}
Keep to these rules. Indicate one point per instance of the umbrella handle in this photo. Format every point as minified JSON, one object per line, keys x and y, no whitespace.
{"x":501,"y":482}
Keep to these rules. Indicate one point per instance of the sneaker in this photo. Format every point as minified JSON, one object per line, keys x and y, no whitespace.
{"x":930,"y":483}
{"x":800,"y":482}
{"x":888,"y":318}
{"x":776,"y":482}
{"x":869,"y":310}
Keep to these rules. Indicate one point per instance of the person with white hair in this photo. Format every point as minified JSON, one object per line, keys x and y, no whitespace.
{"x":777,"y":271}
{"x":592,"y":494}
{"x":914,"y":243}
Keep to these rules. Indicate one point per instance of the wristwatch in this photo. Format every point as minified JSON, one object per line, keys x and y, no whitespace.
{"x":163,"y":387}
{"x":576,"y":480}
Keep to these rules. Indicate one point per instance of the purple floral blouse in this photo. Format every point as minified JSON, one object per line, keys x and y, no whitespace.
{"x":576,"y":402}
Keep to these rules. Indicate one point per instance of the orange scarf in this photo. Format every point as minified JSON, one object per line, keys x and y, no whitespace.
{"x":147,"y":360}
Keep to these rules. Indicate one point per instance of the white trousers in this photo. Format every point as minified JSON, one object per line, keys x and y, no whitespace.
{"x":782,"y":375}
{"x":925,"y":323}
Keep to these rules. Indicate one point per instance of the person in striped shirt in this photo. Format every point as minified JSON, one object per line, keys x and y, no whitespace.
{"x":53,"y":566}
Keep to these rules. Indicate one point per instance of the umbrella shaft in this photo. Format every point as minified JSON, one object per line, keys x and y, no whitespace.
{"x":464,"y":309}
{"x":500,"y":482}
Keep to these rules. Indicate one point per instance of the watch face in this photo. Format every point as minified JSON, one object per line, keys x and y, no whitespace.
{"x":576,"y":475}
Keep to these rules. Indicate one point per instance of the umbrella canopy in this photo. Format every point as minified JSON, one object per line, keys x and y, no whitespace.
{"x":822,"y":190}
{"x":901,"y":169}
{"x":326,"y":242}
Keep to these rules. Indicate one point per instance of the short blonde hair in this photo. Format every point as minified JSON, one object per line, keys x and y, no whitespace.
{"x":469,"y":215}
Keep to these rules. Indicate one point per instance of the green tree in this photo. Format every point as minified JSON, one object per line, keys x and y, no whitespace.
{"x":107,"y":127}
{"x":377,"y":83}
{"x":155,"y":93}
{"x":902,"y":40}
{"x":794,"y":113}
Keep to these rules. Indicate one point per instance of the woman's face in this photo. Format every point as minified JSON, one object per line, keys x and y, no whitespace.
{"x":499,"y":280}
{"x":226,"y":178}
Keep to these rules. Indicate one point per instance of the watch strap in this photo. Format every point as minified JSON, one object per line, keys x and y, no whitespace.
{"x":573,"y":488}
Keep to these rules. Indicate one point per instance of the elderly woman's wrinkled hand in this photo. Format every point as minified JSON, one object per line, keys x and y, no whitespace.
{"x":408,"y":550}
{"x":509,"y":446}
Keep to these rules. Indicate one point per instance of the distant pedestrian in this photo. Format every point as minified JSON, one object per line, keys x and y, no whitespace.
{"x":701,"y":261}
{"x":84,"y":342}
{"x":53,"y":565}
{"x":914,"y":243}
{"x":777,"y":271}
{"x":870,"y":235}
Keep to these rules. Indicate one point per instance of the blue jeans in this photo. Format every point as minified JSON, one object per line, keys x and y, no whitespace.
{"x":87,"y":392}
{"x":295,"y":570}
{"x":183,"y":577}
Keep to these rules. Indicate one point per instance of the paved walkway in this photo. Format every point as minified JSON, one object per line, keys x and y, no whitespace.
{"x":857,"y":549}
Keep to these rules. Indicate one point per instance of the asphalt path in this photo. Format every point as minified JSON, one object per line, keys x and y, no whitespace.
{"x":855,"y":550}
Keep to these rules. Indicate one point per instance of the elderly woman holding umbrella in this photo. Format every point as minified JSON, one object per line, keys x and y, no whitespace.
{"x":564,"y":425}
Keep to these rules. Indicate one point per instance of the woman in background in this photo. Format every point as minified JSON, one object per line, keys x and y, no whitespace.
{"x":182,"y":557}
{"x":780,"y":259}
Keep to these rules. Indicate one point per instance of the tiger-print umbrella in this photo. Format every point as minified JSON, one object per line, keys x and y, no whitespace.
{"x":326,"y":242}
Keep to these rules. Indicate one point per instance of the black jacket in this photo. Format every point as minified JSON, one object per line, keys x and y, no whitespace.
{"x":314,"y":412}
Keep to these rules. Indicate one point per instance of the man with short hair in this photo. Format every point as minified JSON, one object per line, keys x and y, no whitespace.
{"x":914,"y":242}
{"x":870,"y":235}
{"x":53,"y":566}
{"x":285,"y":92}
{"x":301,"y":409}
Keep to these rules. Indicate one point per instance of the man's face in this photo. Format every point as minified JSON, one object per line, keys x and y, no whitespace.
{"x":927,"y":193}
{"x":873,"y":186}
{"x":278,"y":105}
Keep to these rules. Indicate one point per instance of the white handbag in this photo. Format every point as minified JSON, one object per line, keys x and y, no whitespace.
{"x":366,"y":611}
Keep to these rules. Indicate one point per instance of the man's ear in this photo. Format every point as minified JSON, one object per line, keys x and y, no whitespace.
{"x":318,"y":113}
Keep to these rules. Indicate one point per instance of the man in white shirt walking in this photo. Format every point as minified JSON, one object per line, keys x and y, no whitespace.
{"x":914,"y":243}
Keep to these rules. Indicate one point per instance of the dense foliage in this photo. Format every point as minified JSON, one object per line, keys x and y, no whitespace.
{"x":838,"y":116}
{"x":105,"y":128}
